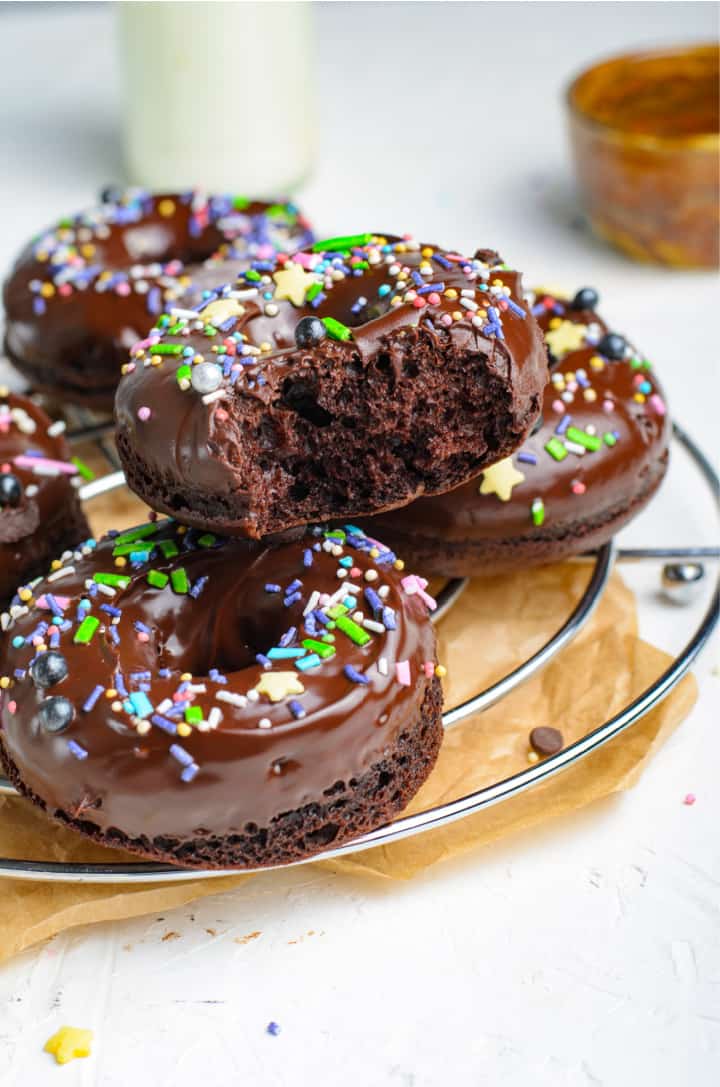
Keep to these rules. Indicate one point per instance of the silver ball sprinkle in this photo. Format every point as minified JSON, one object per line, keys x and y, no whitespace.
{"x":206,"y":377}
{"x":682,"y":581}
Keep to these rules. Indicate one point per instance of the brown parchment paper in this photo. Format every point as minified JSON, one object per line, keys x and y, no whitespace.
{"x":495,"y":626}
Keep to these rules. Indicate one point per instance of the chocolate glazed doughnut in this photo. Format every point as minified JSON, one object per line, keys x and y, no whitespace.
{"x":217,"y":703}
{"x":40,"y":513}
{"x":596,"y":457}
{"x":349,"y":378}
{"x":85,"y":290}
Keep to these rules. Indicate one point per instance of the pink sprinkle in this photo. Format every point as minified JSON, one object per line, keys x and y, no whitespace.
{"x":173,"y":267}
{"x":11,"y":707}
{"x":221,"y":415}
{"x":419,"y":303}
{"x":306,"y":260}
{"x":558,"y":406}
{"x":402,"y":673}
{"x":142,"y":636}
{"x":434,"y":298}
{"x":144,"y":413}
{"x":355,"y":572}
{"x":577,"y":487}
{"x":63,"y":601}
{"x":265,"y":252}
{"x":45,"y":462}
{"x":608,"y":406}
{"x":64,"y":290}
{"x":123,"y":289}
{"x":690,"y":799}
{"x":429,"y":669}
{"x":446,"y":320}
{"x":414,"y":584}
{"x":658,"y":403}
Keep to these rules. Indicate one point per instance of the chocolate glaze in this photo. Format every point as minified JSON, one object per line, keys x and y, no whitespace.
{"x":47,"y":519}
{"x":189,"y":444}
{"x":625,"y":399}
{"x":260,"y":760}
{"x":112,"y":269}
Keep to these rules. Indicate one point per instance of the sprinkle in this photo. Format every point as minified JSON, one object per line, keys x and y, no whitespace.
{"x":141,"y":704}
{"x":271,"y":588}
{"x":164,"y":723}
{"x":354,"y":632}
{"x":237,"y":700}
{"x":581,"y":437}
{"x":296,"y":709}
{"x":336,"y":330}
{"x":77,"y":750}
{"x":179,"y":580}
{"x":537,"y":511}
{"x":157,"y":579}
{"x":308,"y":662}
{"x":689,"y":799}
{"x":92,"y":698}
{"x":85,"y":632}
{"x":278,"y":685}
{"x":347,"y":241}
{"x":556,"y":449}
{"x":355,"y":676}
{"x":402,"y":673}
{"x":273,"y":1028}
{"x":527,"y":458}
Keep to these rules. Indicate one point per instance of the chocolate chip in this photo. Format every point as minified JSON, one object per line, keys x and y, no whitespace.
{"x":547,"y":741}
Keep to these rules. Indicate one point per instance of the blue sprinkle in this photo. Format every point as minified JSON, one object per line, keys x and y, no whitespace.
{"x":93,"y":697}
{"x":355,"y":676}
{"x":182,"y":756}
{"x":281,"y":653}
{"x":141,"y":704}
{"x":141,"y":627}
{"x":287,"y":637}
{"x":563,"y":424}
{"x":119,"y":684}
{"x":217,"y":677}
{"x":273,"y":1028}
{"x":374,"y":601}
{"x":293,"y":586}
{"x":198,"y":587}
{"x":164,"y":723}
{"x":292,"y":599}
{"x":296,"y":709}
{"x":388,"y":619}
{"x":527,"y":458}
{"x":78,"y":751}
{"x":165,"y":672}
{"x":310,"y":661}
{"x":189,"y":772}
{"x":263,"y":660}
{"x":110,"y":610}
{"x":270,"y":588}
{"x":307,"y":557}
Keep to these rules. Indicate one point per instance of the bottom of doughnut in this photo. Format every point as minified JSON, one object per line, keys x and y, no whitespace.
{"x":486,"y":557}
{"x":346,"y":809}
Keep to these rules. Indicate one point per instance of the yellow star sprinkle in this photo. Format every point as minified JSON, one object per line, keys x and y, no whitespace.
{"x":292,"y":282}
{"x":500,"y":479}
{"x":217,"y":312}
{"x":566,"y":336}
{"x":278,"y":685}
{"x":68,"y":1043}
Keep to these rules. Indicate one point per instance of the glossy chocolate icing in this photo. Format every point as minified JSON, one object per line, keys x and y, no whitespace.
{"x":85,"y":290}
{"x":259,"y":760}
{"x":48,"y":509}
{"x":621,"y":398}
{"x":381,"y":289}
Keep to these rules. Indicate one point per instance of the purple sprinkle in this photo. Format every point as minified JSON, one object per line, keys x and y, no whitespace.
{"x":142,"y":627}
{"x":182,"y":756}
{"x":273,"y":1028}
{"x":113,"y":634}
{"x":296,"y":709}
{"x":292,"y":599}
{"x":270,"y":588}
{"x":110,"y":610}
{"x":287,"y":637}
{"x":515,"y":308}
{"x":563,"y":424}
{"x":293,"y":586}
{"x":263,"y":660}
{"x":19,"y":673}
{"x":307,"y":557}
{"x":189,"y":772}
{"x":119,"y":684}
{"x":75,"y":749}
{"x":374,"y":601}
{"x":164,"y":672}
{"x":388,"y":619}
{"x":217,"y":677}
{"x":53,"y":605}
{"x":198,"y":587}
{"x":164,"y":723}
{"x":355,"y":676}
{"x":527,"y":458}
{"x":321,"y":617}
{"x":93,"y":697}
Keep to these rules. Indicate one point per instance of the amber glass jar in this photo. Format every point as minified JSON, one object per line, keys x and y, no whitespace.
{"x":644,"y":136}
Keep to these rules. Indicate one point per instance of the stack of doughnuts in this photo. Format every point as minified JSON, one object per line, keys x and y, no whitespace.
{"x":251,"y":676}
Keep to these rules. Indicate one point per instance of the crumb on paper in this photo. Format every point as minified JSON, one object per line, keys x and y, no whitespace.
{"x":68,"y":1043}
{"x":171,"y":936}
{"x":211,"y":931}
{"x":247,"y":937}
{"x":689,"y":799}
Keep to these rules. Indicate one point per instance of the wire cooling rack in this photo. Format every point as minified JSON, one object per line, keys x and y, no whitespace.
{"x":679,"y":562}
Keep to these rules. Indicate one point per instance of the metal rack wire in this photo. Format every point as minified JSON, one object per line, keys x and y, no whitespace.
{"x":441,"y":815}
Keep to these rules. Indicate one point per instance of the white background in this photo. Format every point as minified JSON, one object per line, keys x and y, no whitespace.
{"x":583,"y":953}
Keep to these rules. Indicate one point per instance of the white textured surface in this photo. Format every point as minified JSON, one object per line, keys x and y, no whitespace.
{"x":585,"y":953}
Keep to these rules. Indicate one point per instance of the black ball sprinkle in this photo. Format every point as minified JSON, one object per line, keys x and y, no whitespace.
{"x":309,"y":332}
{"x":612,"y":345}
{"x":586,"y":298}
{"x":48,"y":669}
{"x":10,"y":490}
{"x":56,"y":714}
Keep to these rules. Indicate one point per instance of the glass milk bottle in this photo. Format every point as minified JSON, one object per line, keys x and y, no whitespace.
{"x":218,"y":95}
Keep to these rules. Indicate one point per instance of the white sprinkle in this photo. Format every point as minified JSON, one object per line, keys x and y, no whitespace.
{"x":17,"y":610}
{"x":5,"y":621}
{"x":351,"y":587}
{"x":57,"y":428}
{"x":253,"y":695}
{"x":466,"y":303}
{"x":383,"y":591}
{"x":214,"y":717}
{"x":202,"y":726}
{"x":164,"y":706}
{"x":178,"y":311}
{"x":264,"y":722}
{"x":242,"y":296}
{"x":382,"y":666}
{"x":358,"y":616}
{"x":32,"y":490}
{"x":336,"y":550}
{"x":371,"y":624}
{"x":312,"y":602}
{"x":341,"y":572}
{"x":371,"y":575}
{"x":238,"y":700}
{"x":573,"y":447}
{"x":197,"y":688}
{"x":65,"y":571}
{"x":142,"y":728}
{"x":106,"y":590}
